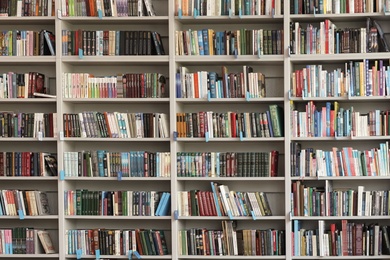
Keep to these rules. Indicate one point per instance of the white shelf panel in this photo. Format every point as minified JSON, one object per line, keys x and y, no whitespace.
{"x":146,"y":139}
{"x":42,"y":217}
{"x":230,"y":179}
{"x":116,"y":179}
{"x":155,"y":218}
{"x":116,"y":100}
{"x":24,"y":256}
{"x":29,"y":178}
{"x":333,"y":58}
{"x":341,"y":138}
{"x":228,"y":139}
{"x":27,"y":100}
{"x":30,"y":60}
{"x":122,"y":256}
{"x":342,"y":257}
{"x":228,"y":100}
{"x":343,"y":178}
{"x":82,"y":20}
{"x":215,"y":218}
{"x":27,"y":139}
{"x":343,"y":99}
{"x":367,"y":218}
{"x":234,"y":19}
{"x":230,"y":59}
{"x":229,"y":257}
{"x":348,"y":17}
{"x":27,"y":19}
{"x":116,"y":60}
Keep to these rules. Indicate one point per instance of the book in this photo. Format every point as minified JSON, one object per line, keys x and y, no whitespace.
{"x":51,"y":164}
{"x":46,"y":241}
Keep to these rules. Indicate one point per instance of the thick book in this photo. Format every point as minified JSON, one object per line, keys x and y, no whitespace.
{"x":46,"y":241}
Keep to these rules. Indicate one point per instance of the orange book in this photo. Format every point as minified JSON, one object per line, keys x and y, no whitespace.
{"x":196,"y":84}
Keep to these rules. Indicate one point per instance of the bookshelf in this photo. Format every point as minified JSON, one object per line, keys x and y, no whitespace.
{"x":231,"y":142}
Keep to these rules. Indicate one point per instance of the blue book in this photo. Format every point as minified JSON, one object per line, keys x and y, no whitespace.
{"x":216,"y":200}
{"x":200,"y":42}
{"x":212,"y":84}
{"x":206,"y":42}
{"x":100,"y":157}
{"x":328,"y":108}
{"x":271,"y":131}
{"x":165,"y":204}
{"x":297,"y":238}
{"x":347,"y":163}
{"x":178,"y":86}
{"x":218,"y":43}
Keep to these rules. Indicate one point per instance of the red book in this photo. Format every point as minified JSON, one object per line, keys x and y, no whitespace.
{"x":344,"y":235}
{"x":206,"y":205}
{"x":333,"y":238}
{"x":200,"y":204}
{"x":210,"y":199}
{"x":196,"y":84}
{"x":274,"y":163}
{"x":202,"y":124}
{"x":359,"y":239}
{"x":142,"y":87}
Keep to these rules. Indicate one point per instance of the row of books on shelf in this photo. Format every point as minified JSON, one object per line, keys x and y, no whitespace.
{"x":346,"y":161}
{"x":231,"y":8}
{"x":129,"y":85}
{"x":117,"y":203}
{"x":112,"y":43}
{"x":208,"y":84}
{"x":327,"y":38}
{"x":223,"y":202}
{"x":332,"y":120}
{"x":24,"y":202}
{"x":328,"y":201}
{"x":27,"y":43}
{"x":227,"y":164}
{"x":115,"y":242}
{"x":23,"y":240}
{"x":101,"y":163}
{"x":238,"y":42}
{"x":347,"y":239}
{"x":107,"y":8}
{"x":36,"y":125}
{"x":27,"y":8}
{"x":338,"y":7}
{"x":20,"y":164}
{"x":229,"y":241}
{"x":231,"y":124}
{"x":116,"y":125}
{"x":358,"y":79}
{"x":22,"y":85}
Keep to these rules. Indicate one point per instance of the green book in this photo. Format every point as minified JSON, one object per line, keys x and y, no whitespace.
{"x":276,"y":113}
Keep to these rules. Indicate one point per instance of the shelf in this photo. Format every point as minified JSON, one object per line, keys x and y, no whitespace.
{"x":230,"y":60}
{"x":342,"y":257}
{"x":230,"y":139}
{"x":47,"y":217}
{"x":229,"y":100}
{"x":343,"y":99}
{"x":235,"y":19}
{"x":341,"y":138}
{"x":40,"y":20}
{"x":115,"y":100}
{"x":231,"y":179}
{"x":28,"y":178}
{"x":368,"y":218}
{"x":347,"y":17}
{"x":334,"y":58}
{"x":27,"y":139}
{"x":121,"y":256}
{"x":144,"y":218}
{"x":85,"y":20}
{"x":30,"y":60}
{"x":145,"y":139}
{"x":24,"y":256}
{"x":230,"y":257}
{"x":27,"y":100}
{"x":115,"y":60}
{"x":215,"y":218}
{"x":342,"y":178}
{"x":138,"y":179}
